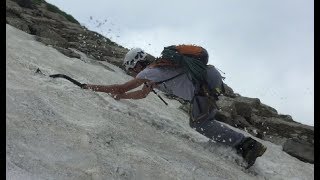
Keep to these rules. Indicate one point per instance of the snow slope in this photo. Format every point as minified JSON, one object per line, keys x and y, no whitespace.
{"x":55,"y":130}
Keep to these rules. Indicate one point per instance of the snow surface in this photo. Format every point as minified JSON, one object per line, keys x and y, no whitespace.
{"x":55,"y":130}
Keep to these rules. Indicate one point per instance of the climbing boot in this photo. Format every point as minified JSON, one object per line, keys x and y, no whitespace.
{"x":250,"y":150}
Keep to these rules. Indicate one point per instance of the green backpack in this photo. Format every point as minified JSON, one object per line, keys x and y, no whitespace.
{"x":194,"y":60}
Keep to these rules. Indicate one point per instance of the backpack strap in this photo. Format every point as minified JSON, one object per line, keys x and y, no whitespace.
{"x":211,"y":105}
{"x":159,"y":82}
{"x":211,"y":98}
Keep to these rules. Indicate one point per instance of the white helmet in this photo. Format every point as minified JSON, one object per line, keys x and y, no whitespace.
{"x":133,"y":56}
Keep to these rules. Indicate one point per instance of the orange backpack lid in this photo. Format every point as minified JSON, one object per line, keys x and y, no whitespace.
{"x":189,"y":49}
{"x":162,"y":62}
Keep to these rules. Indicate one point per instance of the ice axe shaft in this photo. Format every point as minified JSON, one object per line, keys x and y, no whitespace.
{"x":157,"y":95}
{"x":68,"y":78}
{"x":62,"y":76}
{"x":160,"y":97}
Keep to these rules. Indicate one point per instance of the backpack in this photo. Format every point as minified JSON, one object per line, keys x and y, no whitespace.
{"x":194,"y":60}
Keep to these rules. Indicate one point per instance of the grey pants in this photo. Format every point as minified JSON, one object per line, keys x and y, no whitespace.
{"x":204,"y":123}
{"x":218,"y":132}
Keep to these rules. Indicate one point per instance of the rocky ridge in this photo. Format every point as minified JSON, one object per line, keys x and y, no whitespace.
{"x":58,"y":30}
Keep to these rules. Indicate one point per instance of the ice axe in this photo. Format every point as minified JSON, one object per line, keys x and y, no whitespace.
{"x":157,"y":94}
{"x":81,"y":85}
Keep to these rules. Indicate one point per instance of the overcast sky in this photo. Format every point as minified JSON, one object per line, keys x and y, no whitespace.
{"x":266,"y":48}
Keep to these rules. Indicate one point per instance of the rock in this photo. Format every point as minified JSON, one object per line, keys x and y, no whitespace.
{"x":285,"y":117}
{"x":243,"y":109}
{"x":19,"y":24}
{"x":254,"y":131}
{"x":52,"y":28}
{"x":300,"y":149}
{"x":229,"y":91}
{"x":242,"y":122}
{"x":225,"y":117}
{"x":68,"y":52}
{"x":227,"y":104}
{"x":25,"y":3}
{"x":46,"y":32}
{"x":257,"y":121}
{"x":47,"y":41}
{"x":265,"y":111}
{"x":14,"y":17}
{"x":273,"y":125}
{"x":253,"y":102}
{"x":275,"y":139}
